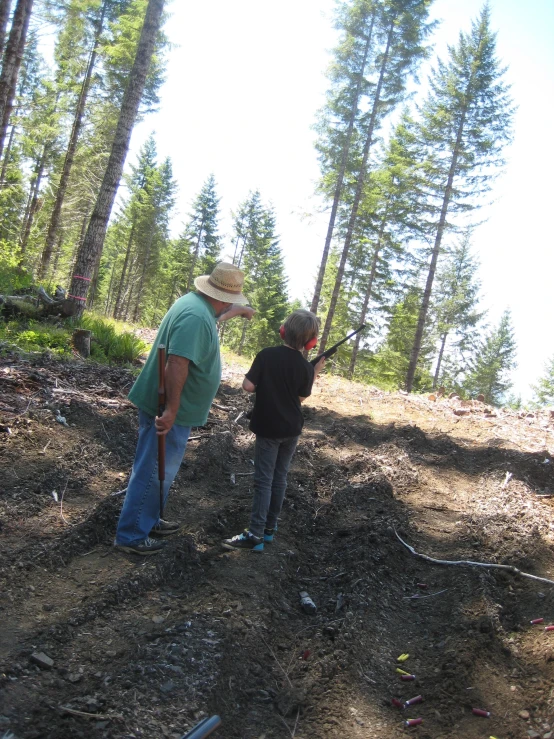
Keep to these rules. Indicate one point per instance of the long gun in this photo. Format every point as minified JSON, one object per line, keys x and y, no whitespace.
{"x":204,"y":728}
{"x":161,"y":409}
{"x":329,"y":352}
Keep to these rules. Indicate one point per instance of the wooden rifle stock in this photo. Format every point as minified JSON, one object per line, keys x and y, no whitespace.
{"x":161,"y":409}
{"x":329,"y":352}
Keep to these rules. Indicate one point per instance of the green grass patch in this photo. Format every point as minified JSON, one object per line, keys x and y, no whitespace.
{"x":110,"y":342}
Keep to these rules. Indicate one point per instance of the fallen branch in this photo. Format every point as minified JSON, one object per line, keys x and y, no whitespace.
{"x":85,"y":714}
{"x":469,"y":563}
{"x":417,"y":596}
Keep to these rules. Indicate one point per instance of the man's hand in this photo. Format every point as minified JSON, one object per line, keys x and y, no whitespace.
{"x":319,"y":366}
{"x":164,"y":422}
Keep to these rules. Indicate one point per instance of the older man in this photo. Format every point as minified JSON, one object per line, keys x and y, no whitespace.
{"x":192,"y":376}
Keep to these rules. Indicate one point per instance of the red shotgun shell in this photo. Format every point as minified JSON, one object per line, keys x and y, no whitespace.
{"x":549,"y":628}
{"x":413,"y":722}
{"x":422,"y":585}
{"x":397,"y":703}
{"x":407,"y":678}
{"x":537,"y":621}
{"x":413,"y":701}
{"x":481,"y":712}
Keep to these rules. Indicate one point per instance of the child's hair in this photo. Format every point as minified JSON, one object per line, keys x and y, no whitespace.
{"x":300,"y":327}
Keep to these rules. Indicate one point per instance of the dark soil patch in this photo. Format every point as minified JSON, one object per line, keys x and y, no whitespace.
{"x":147,"y":648}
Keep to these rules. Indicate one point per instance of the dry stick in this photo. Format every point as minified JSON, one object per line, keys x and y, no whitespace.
{"x":276,"y":660}
{"x":74,"y":712}
{"x":61,"y":503}
{"x":469,"y":563}
{"x":417,"y":596}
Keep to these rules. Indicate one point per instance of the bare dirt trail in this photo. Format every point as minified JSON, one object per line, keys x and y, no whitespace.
{"x":146,"y":648}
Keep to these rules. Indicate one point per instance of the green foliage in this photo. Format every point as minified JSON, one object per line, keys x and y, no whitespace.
{"x":257,"y":252}
{"x":107,"y":345}
{"x":490,"y":369}
{"x":544,"y":389}
{"x":34,"y":336}
{"x":390,"y":362}
{"x":13,"y":277}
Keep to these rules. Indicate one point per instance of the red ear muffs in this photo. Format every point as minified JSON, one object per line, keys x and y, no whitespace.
{"x":282,"y":332}
{"x":311,"y":343}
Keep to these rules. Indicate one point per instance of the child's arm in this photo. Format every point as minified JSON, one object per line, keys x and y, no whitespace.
{"x":317,"y":369}
{"x":248,"y":386}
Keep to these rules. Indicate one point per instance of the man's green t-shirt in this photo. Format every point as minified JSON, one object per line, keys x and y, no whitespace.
{"x":187,"y":330}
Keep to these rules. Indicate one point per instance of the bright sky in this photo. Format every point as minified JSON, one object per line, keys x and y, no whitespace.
{"x":244,"y":82}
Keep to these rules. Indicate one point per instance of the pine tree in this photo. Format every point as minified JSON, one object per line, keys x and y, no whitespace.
{"x":455,"y":305}
{"x":390,"y":362}
{"x":90,"y":251}
{"x":544,"y":389}
{"x":489,"y":371}
{"x":265,"y":281}
{"x":465,"y":123}
{"x":402,"y":29}
{"x":347,"y":76}
{"x":201,"y":232}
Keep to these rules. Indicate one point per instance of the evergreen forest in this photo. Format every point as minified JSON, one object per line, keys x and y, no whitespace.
{"x":402,"y":177}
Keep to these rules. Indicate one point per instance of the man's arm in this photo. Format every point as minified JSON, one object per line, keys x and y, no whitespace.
{"x":176,"y":373}
{"x":237,"y":310}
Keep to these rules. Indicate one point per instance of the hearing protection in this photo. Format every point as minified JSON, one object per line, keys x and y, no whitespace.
{"x":310,"y":345}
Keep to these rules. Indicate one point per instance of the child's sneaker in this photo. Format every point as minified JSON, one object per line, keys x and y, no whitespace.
{"x":269,"y":534}
{"x":246,"y":540}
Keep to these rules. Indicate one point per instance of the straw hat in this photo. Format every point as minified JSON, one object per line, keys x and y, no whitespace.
{"x":225,"y":284}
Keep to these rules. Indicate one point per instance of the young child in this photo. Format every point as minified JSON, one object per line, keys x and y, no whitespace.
{"x":281,"y":379}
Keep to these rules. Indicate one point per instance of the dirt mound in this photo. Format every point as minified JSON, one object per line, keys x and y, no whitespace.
{"x":146,"y":649}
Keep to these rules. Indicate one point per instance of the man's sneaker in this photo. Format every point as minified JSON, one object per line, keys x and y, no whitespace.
{"x":246,"y":540}
{"x":144,"y":548}
{"x":165,"y":528}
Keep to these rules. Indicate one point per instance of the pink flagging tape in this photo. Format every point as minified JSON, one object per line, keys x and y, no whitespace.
{"x":78,"y":277}
{"x":76,"y":297}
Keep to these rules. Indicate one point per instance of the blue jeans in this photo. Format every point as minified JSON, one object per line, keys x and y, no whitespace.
{"x":272,"y":458}
{"x":141,"y":507}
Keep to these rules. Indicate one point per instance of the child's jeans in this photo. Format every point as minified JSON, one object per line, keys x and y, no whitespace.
{"x":272,"y":459}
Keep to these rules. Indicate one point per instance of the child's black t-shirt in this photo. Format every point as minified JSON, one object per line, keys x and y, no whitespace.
{"x":282,"y":376}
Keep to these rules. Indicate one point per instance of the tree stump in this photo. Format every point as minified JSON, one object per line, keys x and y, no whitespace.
{"x":81,"y":341}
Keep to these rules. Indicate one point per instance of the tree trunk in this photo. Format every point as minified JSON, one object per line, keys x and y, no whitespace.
{"x":12,"y":62}
{"x":144,"y":268}
{"x":439,"y":360}
{"x":194,"y":257}
{"x":416,"y":348}
{"x":91,"y":249}
{"x":340,"y":179}
{"x":5,"y":6}
{"x":71,"y":148}
{"x":81,"y":341}
{"x":242,"y":339}
{"x":367,"y":296}
{"x":6,"y":160}
{"x":358,"y":195}
{"x":58,"y":254}
{"x":33,"y":199}
{"x":123,"y":273}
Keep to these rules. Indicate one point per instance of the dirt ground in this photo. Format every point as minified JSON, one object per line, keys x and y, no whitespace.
{"x":147,"y":648}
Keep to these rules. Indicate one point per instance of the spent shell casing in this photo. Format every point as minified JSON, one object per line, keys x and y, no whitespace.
{"x":402,"y":658}
{"x":537,"y":621}
{"x":401,"y":671}
{"x":413,"y":701}
{"x":422,"y":585}
{"x":481,"y":712}
{"x":413,"y":722}
{"x":407,"y":678}
{"x":549,"y":628}
{"x":397,"y":703}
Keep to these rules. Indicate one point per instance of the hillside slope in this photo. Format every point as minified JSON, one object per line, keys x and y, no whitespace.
{"x":146,"y":648}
